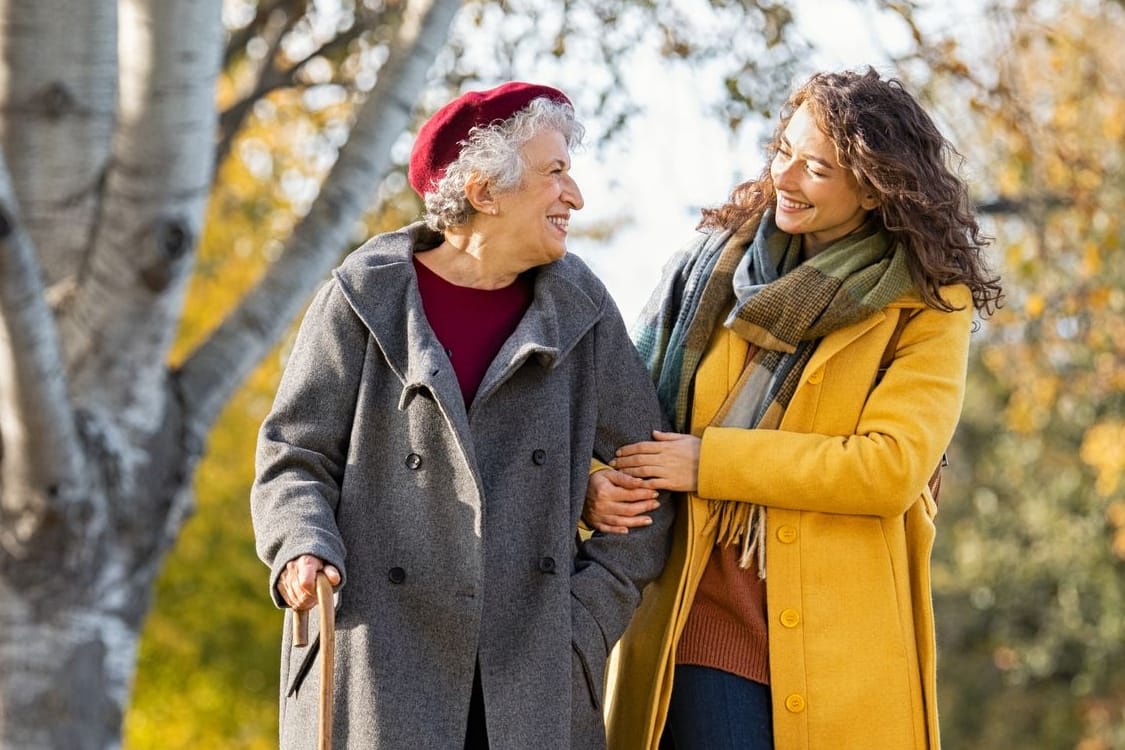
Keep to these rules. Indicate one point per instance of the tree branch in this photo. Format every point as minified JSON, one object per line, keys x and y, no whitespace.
{"x":232,"y":118}
{"x":57,"y":97}
{"x":214,"y":370}
{"x":270,"y":79}
{"x":1031,"y":205}
{"x":122,"y":320}
{"x":239,"y":38}
{"x":42,"y":460}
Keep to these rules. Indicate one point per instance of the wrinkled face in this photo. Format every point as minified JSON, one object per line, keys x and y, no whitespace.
{"x":538,"y":211}
{"x":816,"y":197}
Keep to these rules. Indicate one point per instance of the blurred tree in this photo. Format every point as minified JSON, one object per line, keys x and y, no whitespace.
{"x":118,"y":119}
{"x":1031,"y":551}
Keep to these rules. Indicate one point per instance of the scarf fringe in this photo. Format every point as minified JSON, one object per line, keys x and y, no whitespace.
{"x":743,"y":524}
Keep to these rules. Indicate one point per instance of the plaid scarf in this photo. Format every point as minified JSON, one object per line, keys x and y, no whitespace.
{"x":753,"y":281}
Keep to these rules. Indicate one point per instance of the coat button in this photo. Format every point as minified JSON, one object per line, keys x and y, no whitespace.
{"x":547,"y":564}
{"x":787,"y":534}
{"x":816,"y":376}
{"x":790,"y":618}
{"x":539,"y":456}
{"x":795,"y":703}
{"x":413,"y":461}
{"x":396,"y":575}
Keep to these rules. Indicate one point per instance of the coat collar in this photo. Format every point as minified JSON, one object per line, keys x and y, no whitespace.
{"x":379,"y":282}
{"x":838,"y":340}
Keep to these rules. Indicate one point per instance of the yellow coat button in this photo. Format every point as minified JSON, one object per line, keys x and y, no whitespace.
{"x":795,"y":703}
{"x":787,"y":534}
{"x":790,"y":618}
{"x":816,"y":376}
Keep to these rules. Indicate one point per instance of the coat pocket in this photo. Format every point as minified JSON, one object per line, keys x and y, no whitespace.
{"x":588,"y":645}
{"x":301,"y":659}
{"x":306,"y":657}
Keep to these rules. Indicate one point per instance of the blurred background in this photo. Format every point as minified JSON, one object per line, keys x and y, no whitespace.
{"x":677,"y":96}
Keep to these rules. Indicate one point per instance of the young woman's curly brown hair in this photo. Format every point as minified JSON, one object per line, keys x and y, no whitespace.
{"x":892,"y":147}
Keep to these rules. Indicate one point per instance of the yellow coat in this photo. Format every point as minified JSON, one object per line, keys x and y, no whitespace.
{"x":849,"y":527}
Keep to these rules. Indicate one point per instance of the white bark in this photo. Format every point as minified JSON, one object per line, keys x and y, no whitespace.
{"x":94,"y":460}
{"x":58,"y":89}
{"x":97,"y":443}
{"x":122,"y":321}
{"x":215,"y":369}
{"x":41,"y":463}
{"x":89,"y":649}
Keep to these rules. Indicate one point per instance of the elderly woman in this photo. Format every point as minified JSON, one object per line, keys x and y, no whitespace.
{"x":429,"y":448}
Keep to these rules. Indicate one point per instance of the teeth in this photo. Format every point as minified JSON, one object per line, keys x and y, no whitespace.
{"x":559,"y":222}
{"x":786,"y":203}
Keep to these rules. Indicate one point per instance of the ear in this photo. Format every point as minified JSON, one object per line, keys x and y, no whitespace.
{"x":869,"y":201}
{"x":480,"y":195}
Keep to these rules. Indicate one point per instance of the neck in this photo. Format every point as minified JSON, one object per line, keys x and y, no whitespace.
{"x":811,"y":247}
{"x":466,"y":258}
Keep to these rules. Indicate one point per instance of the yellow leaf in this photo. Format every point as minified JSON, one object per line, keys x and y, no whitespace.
{"x":1091,"y":259}
{"x":1101,"y":451}
{"x":1115,"y":514}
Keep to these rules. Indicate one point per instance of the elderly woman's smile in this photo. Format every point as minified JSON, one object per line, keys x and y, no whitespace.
{"x":536,"y":215}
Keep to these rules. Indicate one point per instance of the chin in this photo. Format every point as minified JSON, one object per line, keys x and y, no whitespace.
{"x":787,"y":225}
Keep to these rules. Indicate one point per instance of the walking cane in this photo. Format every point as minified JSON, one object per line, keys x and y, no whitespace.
{"x":327,"y":654}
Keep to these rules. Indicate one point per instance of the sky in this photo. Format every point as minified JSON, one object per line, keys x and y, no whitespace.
{"x":674,"y":159}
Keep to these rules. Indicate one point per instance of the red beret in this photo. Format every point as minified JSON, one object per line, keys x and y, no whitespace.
{"x":439,"y":141}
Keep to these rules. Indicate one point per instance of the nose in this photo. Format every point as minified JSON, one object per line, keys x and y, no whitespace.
{"x":782,"y":171}
{"x":572,"y":196}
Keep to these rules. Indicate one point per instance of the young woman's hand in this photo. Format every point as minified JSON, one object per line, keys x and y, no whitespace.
{"x":617,"y":502}
{"x":670,"y":461}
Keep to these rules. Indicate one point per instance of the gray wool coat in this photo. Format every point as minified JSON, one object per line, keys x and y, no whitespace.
{"x":454,"y":529}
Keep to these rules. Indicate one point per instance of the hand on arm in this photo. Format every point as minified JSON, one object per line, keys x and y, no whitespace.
{"x":617,"y":502}
{"x":297,"y":582}
{"x":668,"y":462}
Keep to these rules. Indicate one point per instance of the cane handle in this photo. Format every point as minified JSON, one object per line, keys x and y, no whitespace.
{"x":301,"y":616}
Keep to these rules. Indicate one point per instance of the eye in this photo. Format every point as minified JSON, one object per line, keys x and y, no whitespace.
{"x":809,"y":168}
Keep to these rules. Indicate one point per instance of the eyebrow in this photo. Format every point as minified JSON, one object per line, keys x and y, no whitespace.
{"x":808,"y":157}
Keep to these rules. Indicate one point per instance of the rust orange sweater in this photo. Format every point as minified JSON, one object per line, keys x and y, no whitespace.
{"x":726,"y":627}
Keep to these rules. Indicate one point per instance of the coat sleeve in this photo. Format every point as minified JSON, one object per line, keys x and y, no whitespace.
{"x":303,"y":442}
{"x":612,"y":569}
{"x":878,"y":467}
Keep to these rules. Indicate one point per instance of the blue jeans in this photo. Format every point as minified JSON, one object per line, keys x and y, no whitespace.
{"x":716,"y":710}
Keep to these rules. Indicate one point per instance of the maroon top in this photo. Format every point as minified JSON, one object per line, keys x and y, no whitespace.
{"x":472,"y":324}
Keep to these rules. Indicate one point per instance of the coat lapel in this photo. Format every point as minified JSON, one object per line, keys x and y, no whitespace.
{"x":379,"y":282}
{"x":561,"y":313}
{"x":838,"y":340}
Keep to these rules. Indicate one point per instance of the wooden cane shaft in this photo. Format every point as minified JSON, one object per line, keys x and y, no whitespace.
{"x":327,"y":659}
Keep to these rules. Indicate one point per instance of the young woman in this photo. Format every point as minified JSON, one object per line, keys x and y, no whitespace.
{"x":795,"y":610}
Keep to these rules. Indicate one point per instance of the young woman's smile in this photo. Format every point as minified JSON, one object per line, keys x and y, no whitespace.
{"x":816,"y":197}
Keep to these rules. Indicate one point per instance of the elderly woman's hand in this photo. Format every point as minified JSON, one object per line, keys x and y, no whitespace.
{"x":297,"y":582}
{"x":669,"y":462}
{"x":617,"y":502}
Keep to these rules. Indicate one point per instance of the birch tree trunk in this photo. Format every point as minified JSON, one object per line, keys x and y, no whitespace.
{"x":107,"y":142}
